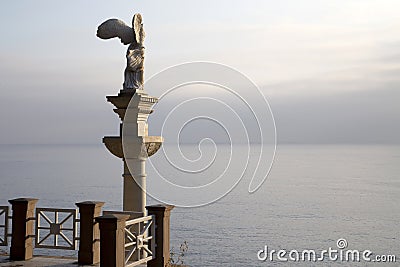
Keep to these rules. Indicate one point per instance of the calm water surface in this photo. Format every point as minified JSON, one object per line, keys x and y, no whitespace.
{"x":313,"y":196}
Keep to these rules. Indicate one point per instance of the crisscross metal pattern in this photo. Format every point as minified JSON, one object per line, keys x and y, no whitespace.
{"x":56,"y":223}
{"x":139,"y":240}
{"x":4,"y":225}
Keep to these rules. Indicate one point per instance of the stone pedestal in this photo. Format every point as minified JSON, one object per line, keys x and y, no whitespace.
{"x":112,"y":237}
{"x":162,"y":214}
{"x":23,"y":214}
{"x":138,"y":145}
{"x":89,"y":244}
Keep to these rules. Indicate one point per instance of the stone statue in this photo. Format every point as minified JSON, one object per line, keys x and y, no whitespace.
{"x":134,"y":71}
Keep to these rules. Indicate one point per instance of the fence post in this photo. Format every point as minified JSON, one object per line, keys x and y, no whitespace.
{"x":112,"y":239}
{"x":23,"y":213}
{"x":162,"y":214}
{"x":89,"y":240}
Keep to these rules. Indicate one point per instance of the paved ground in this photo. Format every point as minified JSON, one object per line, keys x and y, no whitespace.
{"x":40,"y":261}
{"x":43,"y":261}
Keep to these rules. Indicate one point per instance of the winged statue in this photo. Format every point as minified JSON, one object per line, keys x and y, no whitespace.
{"x":134,"y":37}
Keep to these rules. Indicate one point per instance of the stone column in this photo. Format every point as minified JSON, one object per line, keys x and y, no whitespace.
{"x":137,"y":143}
{"x":135,"y":186}
{"x":162,"y":238}
{"x":112,"y":240}
{"x":23,"y":213}
{"x":89,"y":241}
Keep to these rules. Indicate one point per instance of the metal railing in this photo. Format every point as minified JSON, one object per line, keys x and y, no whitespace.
{"x":4,"y":225}
{"x":139,"y":240}
{"x":59,"y":228}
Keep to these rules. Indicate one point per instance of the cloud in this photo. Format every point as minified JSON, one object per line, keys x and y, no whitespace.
{"x":355,"y":108}
{"x":329,"y":68}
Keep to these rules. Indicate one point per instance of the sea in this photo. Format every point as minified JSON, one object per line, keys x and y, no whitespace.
{"x":316,"y":197}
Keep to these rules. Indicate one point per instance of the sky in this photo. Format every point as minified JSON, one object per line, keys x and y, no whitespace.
{"x":329,"y":69}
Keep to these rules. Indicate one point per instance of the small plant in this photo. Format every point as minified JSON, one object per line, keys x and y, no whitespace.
{"x":176,"y":259}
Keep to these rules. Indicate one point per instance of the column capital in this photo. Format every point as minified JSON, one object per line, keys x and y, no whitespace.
{"x":23,"y":201}
{"x":112,"y":218}
{"x":94,"y":204}
{"x":160,"y":207}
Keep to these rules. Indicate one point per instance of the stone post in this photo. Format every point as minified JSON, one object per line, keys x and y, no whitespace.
{"x":162,"y":214}
{"x":23,"y":213}
{"x":112,"y":239}
{"x":89,"y":241}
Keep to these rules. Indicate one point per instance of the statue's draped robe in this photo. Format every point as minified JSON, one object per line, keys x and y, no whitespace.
{"x":135,"y":65}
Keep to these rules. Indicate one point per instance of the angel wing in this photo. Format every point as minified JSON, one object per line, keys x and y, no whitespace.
{"x":138,"y":27}
{"x":116,"y":28}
